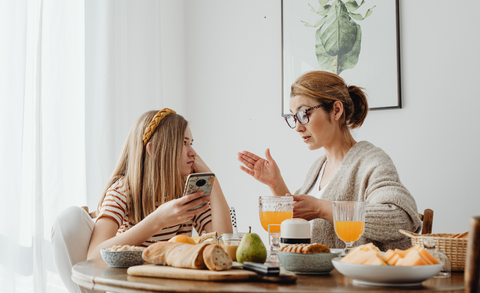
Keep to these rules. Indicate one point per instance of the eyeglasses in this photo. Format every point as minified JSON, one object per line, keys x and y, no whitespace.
{"x":300,"y":116}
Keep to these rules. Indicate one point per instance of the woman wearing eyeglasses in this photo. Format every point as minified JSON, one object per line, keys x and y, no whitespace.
{"x":324,"y":110}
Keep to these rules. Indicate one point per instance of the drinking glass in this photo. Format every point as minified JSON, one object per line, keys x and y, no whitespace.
{"x":349,"y":221}
{"x":273,"y":211}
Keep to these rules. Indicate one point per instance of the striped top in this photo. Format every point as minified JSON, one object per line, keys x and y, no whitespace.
{"x":114,"y":206}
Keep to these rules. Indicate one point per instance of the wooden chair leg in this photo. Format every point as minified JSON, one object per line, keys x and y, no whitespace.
{"x":472,"y":265}
{"x":427,"y":221}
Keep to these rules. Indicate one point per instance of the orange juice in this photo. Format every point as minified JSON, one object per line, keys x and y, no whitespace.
{"x":267,"y":218}
{"x":349,"y":231}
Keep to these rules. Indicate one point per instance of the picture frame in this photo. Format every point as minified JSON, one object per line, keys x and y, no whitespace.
{"x":371,"y":62}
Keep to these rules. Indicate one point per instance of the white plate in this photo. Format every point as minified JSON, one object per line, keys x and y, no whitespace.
{"x":386,"y":275}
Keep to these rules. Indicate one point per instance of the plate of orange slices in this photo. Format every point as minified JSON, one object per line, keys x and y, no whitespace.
{"x":366,"y":265}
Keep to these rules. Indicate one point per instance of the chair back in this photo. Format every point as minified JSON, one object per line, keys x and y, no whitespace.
{"x":93,"y":214}
{"x":427,"y":219}
{"x":71,"y":233}
{"x":472,"y":265}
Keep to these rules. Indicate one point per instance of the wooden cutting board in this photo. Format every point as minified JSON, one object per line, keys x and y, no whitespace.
{"x":236,"y":275}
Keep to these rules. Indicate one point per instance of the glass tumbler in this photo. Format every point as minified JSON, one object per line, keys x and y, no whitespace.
{"x":349,"y":221}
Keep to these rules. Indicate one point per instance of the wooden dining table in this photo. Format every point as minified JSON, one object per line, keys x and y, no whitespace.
{"x":97,"y":275}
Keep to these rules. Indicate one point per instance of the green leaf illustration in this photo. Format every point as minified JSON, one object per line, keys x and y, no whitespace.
{"x":338,"y":39}
{"x":352,"y":5}
{"x":339,"y":32}
{"x":338,"y":63}
{"x":322,"y":10}
{"x":317,"y":23}
{"x":357,"y":16}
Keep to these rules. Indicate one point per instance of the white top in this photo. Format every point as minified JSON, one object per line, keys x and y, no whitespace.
{"x":314,"y":190}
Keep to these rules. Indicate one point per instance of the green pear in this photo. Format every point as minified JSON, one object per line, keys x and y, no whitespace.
{"x":251,"y":249}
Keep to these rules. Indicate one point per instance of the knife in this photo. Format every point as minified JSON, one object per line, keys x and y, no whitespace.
{"x":262,"y":269}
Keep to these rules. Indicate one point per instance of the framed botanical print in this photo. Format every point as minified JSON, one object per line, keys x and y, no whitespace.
{"x":359,"y":41}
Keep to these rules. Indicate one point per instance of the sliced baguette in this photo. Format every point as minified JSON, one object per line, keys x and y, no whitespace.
{"x":176,"y":254}
{"x":216,"y":259}
{"x":187,"y":256}
{"x":157,"y":253}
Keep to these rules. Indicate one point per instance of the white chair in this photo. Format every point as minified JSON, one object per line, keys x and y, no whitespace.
{"x":71,"y":234}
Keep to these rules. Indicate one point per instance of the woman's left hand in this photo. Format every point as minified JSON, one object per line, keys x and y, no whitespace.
{"x":308,"y":207}
{"x":199,"y":166}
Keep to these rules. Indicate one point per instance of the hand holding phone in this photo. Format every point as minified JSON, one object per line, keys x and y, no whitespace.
{"x":198,"y":182}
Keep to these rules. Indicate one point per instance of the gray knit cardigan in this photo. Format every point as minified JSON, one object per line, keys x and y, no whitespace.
{"x":367,"y":174}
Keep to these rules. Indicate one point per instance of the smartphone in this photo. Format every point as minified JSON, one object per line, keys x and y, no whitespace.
{"x":266,"y":269}
{"x":197,"y":182}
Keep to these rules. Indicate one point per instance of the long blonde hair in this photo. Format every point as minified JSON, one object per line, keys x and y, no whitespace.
{"x":155,"y":178}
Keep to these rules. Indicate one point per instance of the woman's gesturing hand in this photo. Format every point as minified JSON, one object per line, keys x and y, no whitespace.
{"x":265,"y":171}
{"x":177,"y":212}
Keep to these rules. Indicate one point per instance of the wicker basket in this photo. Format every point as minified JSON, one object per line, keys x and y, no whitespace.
{"x":454,"y":248}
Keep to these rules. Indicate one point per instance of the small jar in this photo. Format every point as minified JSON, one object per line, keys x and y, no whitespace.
{"x":430,"y":246}
{"x":231,"y":243}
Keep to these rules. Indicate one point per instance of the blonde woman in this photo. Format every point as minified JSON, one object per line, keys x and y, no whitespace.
{"x":143,"y":201}
{"x":324,"y":110}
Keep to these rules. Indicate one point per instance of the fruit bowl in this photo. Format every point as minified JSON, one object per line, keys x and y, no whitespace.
{"x":122,"y":258}
{"x":308,"y":263}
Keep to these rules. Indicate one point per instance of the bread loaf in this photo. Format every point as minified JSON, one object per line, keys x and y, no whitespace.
{"x":157,"y":253}
{"x":176,"y":254}
{"x":216,"y":259}
{"x":184,"y":255}
{"x":187,"y":256}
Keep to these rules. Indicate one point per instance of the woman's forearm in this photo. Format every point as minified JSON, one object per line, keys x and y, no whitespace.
{"x":134,"y":236}
{"x":221,"y":221}
{"x":279,"y":188}
{"x":326,"y":210}
{"x":383,"y":222}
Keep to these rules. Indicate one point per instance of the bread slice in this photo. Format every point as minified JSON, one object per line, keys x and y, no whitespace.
{"x":216,"y":259}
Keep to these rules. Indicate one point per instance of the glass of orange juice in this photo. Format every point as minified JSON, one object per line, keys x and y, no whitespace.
{"x":273,"y":211}
{"x":349,"y":221}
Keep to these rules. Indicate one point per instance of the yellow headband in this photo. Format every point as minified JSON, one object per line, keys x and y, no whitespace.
{"x":154,"y":123}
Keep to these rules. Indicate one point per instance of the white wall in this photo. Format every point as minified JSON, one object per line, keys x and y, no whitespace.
{"x":134,"y":63}
{"x":234,"y":83}
{"x":219,"y":63}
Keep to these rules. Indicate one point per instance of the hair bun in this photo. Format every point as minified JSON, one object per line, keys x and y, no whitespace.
{"x":360,"y":106}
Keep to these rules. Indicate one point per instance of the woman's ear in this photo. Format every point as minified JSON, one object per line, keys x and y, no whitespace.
{"x":149,"y":147}
{"x":337,"y":110}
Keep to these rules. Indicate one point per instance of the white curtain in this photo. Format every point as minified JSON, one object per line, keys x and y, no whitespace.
{"x":42,"y":128}
{"x":74,"y":75}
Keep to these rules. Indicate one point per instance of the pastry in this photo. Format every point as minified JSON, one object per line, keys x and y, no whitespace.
{"x":305,"y":248}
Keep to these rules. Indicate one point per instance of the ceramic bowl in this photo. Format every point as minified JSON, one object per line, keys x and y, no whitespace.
{"x":308,"y":264}
{"x":122,"y":258}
